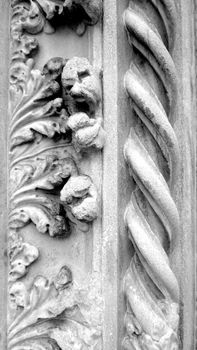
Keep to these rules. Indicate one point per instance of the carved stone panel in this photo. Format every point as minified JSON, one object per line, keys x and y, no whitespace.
{"x":55,"y":140}
{"x":98,"y":181}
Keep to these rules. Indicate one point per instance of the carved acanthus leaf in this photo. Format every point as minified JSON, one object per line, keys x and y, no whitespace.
{"x":39,"y":15}
{"x":21,"y":256}
{"x":46,"y":186}
{"x":53,"y":315}
{"x":38,"y":113}
{"x":30,"y":17}
{"x":46,"y":173}
{"x":47,"y":121}
{"x":32,"y":91}
{"x":45,"y":213}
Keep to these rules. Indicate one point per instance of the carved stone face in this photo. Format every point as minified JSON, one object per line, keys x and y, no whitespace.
{"x":81,"y":86}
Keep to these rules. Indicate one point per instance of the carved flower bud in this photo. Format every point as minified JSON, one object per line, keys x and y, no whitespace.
{"x":19,"y":72}
{"x":79,"y":120}
{"x":90,"y":136}
{"x":63,"y":279}
{"x":50,"y":89}
{"x":87,"y":131}
{"x":53,"y":68}
{"x":28,"y":44}
{"x":18,"y":295}
{"x":77,"y":186}
{"x":87,"y":210}
{"x":35,"y":21}
{"x":23,"y":256}
{"x":42,"y":283}
{"x":80,"y":195}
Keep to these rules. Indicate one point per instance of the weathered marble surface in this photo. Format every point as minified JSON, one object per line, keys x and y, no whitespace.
{"x":100,"y":249}
{"x":55,"y":129}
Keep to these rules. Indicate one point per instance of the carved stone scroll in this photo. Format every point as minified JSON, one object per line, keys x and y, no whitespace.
{"x":152,"y":154}
{"x":54,"y":123}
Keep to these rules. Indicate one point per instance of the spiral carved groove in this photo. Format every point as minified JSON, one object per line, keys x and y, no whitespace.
{"x":151,"y":152}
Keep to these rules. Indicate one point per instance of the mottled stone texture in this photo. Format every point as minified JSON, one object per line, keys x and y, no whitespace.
{"x":98,"y":200}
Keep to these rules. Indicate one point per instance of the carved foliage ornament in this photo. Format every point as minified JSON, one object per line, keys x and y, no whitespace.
{"x":151,"y":152}
{"x":38,"y":15}
{"x":54,"y":315}
{"x":54,"y":119}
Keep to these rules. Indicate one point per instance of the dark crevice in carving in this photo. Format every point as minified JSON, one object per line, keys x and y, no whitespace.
{"x":48,"y":15}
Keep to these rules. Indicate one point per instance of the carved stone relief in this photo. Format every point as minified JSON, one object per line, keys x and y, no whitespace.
{"x":54,"y":120}
{"x":152,"y":154}
{"x":98,"y":232}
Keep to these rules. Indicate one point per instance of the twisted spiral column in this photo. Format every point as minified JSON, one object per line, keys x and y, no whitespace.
{"x":151,"y":152}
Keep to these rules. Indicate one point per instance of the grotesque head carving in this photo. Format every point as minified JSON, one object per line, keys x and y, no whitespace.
{"x":81,"y":86}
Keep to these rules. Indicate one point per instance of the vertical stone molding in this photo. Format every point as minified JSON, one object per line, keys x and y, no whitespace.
{"x":152,"y":154}
{"x":98,"y":241}
{"x":55,"y":122}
